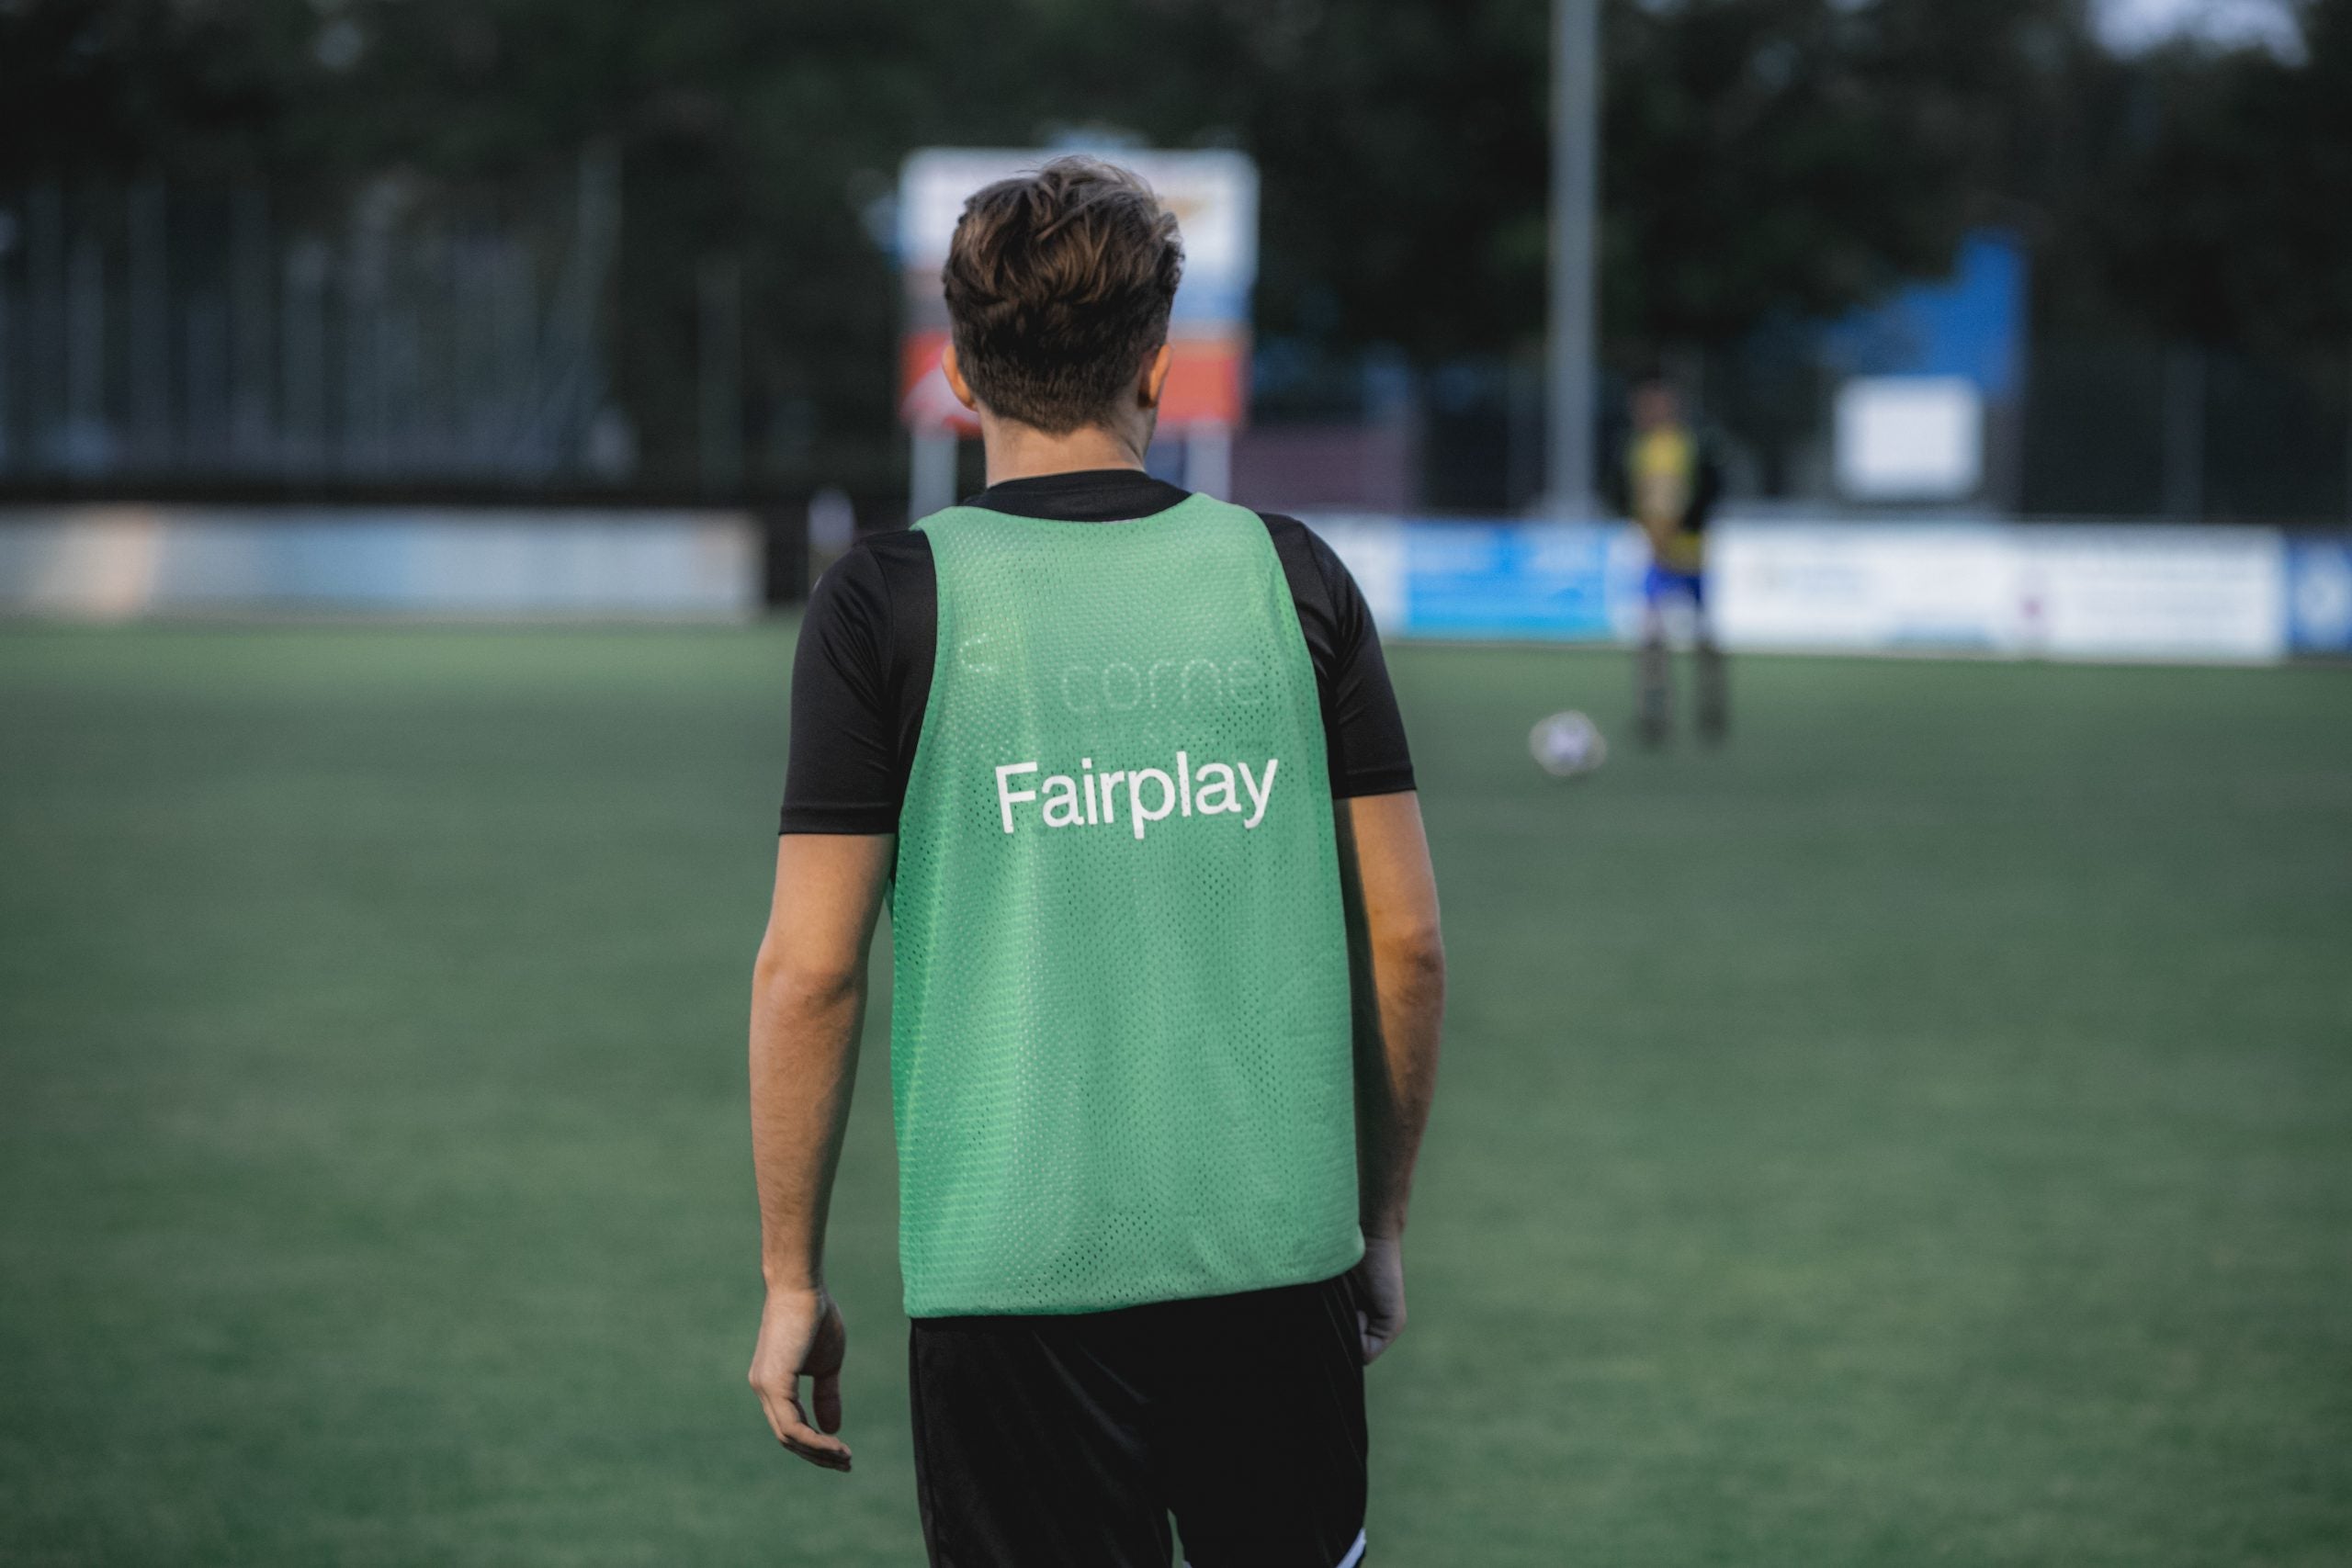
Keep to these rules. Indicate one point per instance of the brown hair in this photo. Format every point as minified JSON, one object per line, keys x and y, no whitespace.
{"x":1059,"y":286}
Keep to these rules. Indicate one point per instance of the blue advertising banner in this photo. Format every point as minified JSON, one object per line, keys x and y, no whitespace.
{"x":1555,"y":582}
{"x":2319,"y":593}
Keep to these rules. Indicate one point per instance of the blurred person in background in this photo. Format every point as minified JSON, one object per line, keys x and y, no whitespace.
{"x":1125,"y":762}
{"x":1667,"y":478}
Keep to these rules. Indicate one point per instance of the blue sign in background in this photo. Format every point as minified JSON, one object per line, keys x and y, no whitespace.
{"x":1970,"y":324}
{"x":2319,"y":593}
{"x":1540,"y":580}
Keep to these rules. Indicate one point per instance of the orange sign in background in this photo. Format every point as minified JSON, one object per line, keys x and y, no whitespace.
{"x":1208,"y":383}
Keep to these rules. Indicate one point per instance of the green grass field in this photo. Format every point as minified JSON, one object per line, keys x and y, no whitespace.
{"x":1922,"y":1133}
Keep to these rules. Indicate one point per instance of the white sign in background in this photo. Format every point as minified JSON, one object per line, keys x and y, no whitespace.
{"x":2218,"y":594}
{"x":1844,"y":586}
{"x":103,"y":562}
{"x":1213,"y":194}
{"x":2059,"y":590}
{"x":1910,"y":438}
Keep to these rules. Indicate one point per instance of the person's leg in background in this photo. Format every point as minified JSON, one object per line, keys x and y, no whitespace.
{"x":1653,"y":672}
{"x":1714,"y":674}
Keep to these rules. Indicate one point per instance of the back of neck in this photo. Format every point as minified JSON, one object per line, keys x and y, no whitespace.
{"x":1023,"y":452}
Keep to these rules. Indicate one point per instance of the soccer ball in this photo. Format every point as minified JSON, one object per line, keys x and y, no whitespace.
{"x":1567,"y":746}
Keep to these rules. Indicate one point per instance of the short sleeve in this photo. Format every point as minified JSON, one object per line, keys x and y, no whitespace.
{"x":1364,"y":730}
{"x":1369,"y":752}
{"x":842,"y":775}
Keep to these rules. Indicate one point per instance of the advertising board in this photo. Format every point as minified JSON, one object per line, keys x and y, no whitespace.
{"x":2319,"y":593}
{"x":1841,"y":587}
{"x":1215,"y":198}
{"x":1543,"y":580}
{"x":106,"y":562}
{"x":2144,"y":593}
{"x":2003,"y":590}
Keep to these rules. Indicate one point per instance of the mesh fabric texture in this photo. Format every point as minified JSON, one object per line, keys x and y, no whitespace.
{"x":1120,"y":1062}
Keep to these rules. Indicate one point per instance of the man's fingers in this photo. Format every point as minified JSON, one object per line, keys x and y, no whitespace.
{"x":778,"y":1410}
{"x":830,"y":1455}
{"x":792,"y":1429}
{"x":829,"y":1401}
{"x":1380,"y":1331}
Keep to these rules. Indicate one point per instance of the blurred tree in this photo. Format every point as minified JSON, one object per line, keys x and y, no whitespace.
{"x":2207,"y":200}
{"x":1768,"y":161}
{"x":1795,"y":158}
{"x":124,"y":88}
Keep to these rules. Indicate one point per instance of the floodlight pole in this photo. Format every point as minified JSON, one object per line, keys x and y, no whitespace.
{"x":1575,"y":204}
{"x":933,"y":474}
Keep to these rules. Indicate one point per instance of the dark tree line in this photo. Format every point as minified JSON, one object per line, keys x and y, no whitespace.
{"x":1766,"y":160}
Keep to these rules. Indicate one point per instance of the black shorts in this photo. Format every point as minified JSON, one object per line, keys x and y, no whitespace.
{"x":1067,"y":1442}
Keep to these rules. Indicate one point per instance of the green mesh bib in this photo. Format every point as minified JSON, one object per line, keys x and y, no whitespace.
{"x":1119,"y":1056}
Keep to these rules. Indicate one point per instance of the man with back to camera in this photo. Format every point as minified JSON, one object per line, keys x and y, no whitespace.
{"x":1125,"y":764}
{"x":1668,"y":481}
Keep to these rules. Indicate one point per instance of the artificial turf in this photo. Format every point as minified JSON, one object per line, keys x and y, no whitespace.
{"x":1920,"y":1132}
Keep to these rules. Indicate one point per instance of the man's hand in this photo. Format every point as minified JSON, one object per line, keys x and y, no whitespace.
{"x":1380,"y":1282}
{"x":801,"y":1336}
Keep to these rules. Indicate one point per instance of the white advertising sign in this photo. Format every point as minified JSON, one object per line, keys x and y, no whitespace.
{"x":2061,"y":590}
{"x":1840,"y":586}
{"x":118,"y":562}
{"x":2091,"y":593}
{"x":1213,"y":194}
{"x":1910,"y":438}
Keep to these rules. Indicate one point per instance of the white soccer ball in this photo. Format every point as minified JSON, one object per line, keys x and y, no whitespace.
{"x":1567,"y":746}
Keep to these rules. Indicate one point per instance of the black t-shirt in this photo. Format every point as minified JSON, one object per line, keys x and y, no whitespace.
{"x":862,"y":676}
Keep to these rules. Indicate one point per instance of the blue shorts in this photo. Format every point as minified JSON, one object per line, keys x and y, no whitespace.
{"x":1665,"y":583}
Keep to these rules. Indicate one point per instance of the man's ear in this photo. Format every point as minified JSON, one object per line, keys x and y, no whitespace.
{"x":954,"y":371}
{"x":1154,"y":378}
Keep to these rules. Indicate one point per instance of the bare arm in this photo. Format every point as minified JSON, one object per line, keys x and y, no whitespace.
{"x":1398,"y":959}
{"x":808,"y":1008}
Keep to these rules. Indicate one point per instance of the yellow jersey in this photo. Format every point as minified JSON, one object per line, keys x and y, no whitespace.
{"x":1664,"y":468}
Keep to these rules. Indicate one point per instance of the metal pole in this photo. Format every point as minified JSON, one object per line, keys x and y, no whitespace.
{"x":45,"y":326}
{"x":931,"y":477}
{"x":720,"y":365}
{"x":302,"y":340}
{"x":88,"y":443}
{"x":249,"y":329}
{"x":149,"y":320}
{"x":1576,"y":202}
{"x":7,"y":352}
{"x":1208,"y":460}
{"x":2184,"y":457}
